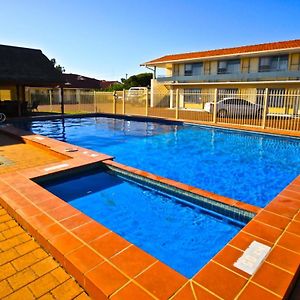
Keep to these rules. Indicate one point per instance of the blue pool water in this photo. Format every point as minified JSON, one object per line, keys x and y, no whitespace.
{"x":248,"y":167}
{"x":180,"y":235}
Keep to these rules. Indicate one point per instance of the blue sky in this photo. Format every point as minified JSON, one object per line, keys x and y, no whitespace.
{"x":107,"y":39}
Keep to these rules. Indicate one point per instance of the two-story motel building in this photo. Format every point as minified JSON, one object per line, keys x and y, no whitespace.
{"x":244,"y":70}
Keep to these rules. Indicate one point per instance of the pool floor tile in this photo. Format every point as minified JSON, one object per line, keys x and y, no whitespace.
{"x":267,"y":276}
{"x":106,"y":278}
{"x":220,"y":281}
{"x":132,"y":260}
{"x":253,"y":291}
{"x":109,"y":244}
{"x":285,"y":259}
{"x":131,"y":291}
{"x":161,"y":280}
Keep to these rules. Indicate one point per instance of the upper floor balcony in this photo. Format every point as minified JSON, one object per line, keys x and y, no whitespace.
{"x":239,"y":76}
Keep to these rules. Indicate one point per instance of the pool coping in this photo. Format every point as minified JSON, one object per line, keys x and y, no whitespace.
{"x":141,"y":118}
{"x":101,"y":264}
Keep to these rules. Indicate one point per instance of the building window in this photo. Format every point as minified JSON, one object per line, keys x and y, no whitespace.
{"x":229,"y":66}
{"x":273,"y":63}
{"x":193,"y":69}
{"x":192,"y":96}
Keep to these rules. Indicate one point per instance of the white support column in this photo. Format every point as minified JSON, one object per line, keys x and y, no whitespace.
{"x":264,"y":116}
{"x":147,"y":102}
{"x":215,"y":106}
{"x":171,"y":97}
{"x":152,"y":93}
{"x":123,"y":103}
{"x":177,"y":104}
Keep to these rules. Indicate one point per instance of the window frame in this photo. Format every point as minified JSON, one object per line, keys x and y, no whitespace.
{"x":277,"y":59}
{"x":227,"y":63}
{"x":191,"y":72}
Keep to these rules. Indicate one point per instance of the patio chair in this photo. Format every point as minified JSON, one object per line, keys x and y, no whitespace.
{"x":34,"y":105}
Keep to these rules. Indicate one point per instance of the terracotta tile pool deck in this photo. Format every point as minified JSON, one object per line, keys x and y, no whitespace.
{"x":108,"y":266}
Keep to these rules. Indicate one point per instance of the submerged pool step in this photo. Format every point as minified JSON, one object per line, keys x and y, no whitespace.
{"x":232,"y":212}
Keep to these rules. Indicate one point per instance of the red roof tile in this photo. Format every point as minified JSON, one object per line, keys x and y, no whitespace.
{"x":228,"y":51}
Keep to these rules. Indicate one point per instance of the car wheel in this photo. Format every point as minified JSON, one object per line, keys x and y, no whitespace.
{"x":222,"y":113}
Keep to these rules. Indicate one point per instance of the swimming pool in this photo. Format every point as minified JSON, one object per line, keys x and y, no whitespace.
{"x":180,"y":234}
{"x":248,"y":167}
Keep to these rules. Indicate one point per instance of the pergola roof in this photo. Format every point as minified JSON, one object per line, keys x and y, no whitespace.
{"x":27,"y":66}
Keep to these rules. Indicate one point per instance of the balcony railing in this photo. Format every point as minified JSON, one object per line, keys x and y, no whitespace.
{"x":273,"y":75}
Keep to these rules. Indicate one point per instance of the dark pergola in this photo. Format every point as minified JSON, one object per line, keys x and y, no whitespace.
{"x":20,"y":67}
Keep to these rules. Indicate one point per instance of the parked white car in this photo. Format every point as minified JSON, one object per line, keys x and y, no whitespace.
{"x":232,"y":106}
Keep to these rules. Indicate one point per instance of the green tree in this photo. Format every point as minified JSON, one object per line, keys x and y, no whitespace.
{"x":60,"y":68}
{"x":142,"y":79}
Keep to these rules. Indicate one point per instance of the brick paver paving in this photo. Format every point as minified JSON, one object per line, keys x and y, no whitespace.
{"x":29,"y":272}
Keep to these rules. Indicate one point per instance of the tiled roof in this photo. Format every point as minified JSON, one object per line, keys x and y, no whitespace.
{"x":228,"y":51}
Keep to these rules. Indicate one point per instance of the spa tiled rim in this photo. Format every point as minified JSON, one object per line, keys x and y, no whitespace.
{"x":229,"y":207}
{"x":106,"y":265}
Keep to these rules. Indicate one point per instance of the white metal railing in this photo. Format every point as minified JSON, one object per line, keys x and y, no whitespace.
{"x":264,"y":108}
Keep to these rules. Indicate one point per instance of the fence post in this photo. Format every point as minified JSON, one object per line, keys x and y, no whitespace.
{"x":147,"y":99}
{"x":50,"y":100}
{"x":123,"y":103}
{"x":114,"y":103}
{"x":95,"y":102}
{"x":177,"y":104}
{"x":215,"y":106}
{"x":264,"y":116}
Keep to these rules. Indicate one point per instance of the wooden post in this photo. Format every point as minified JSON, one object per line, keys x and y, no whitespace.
{"x":123,"y":103}
{"x":264,"y":116}
{"x":18,"y":101}
{"x":177,"y":104}
{"x":215,"y":106}
{"x":50,"y":99}
{"x":62,"y":103}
